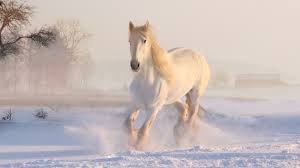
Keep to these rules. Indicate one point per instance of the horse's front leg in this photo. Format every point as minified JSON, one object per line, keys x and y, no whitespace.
{"x":128,"y":124}
{"x":143,"y":133}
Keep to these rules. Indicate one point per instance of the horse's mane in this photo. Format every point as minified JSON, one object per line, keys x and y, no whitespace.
{"x":159,"y":55}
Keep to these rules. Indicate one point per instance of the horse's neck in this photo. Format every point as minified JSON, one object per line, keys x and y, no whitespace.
{"x":161,"y":62}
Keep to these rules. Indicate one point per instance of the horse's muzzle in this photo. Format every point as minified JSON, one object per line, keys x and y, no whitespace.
{"x":135,"y":65}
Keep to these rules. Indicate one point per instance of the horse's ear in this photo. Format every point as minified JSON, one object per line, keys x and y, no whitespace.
{"x":147,"y":25}
{"x":131,"y":26}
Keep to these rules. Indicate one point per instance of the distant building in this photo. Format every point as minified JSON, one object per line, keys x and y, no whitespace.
{"x":258,"y":80}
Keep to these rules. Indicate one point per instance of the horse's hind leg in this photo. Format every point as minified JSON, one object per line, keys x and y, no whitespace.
{"x":179,"y":128}
{"x":129,"y":125}
{"x":194,"y":106}
{"x":193,"y":125}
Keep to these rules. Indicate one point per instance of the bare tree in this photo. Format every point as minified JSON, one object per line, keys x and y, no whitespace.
{"x":72,"y":36}
{"x":14,"y":16}
{"x":63,"y":65}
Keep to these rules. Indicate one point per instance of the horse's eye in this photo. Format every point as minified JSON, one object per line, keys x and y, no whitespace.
{"x":145,"y":41}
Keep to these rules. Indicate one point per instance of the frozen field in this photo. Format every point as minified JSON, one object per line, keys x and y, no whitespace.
{"x":234,"y":133}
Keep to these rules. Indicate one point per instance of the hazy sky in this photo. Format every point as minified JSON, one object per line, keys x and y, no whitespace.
{"x":240,"y":36}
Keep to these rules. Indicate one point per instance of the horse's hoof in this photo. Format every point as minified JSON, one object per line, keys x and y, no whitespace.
{"x":133,"y":137}
{"x":139,"y":147}
{"x":180,"y":131}
{"x":193,"y":132}
{"x":142,"y":140}
{"x":185,"y":133}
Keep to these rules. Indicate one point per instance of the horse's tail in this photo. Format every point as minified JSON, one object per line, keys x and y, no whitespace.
{"x":205,"y":75}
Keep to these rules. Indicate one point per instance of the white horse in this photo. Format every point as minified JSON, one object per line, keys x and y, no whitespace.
{"x":163,"y":77}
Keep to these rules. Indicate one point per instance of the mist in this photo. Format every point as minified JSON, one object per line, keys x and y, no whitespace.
{"x":65,"y":99}
{"x":235,"y":36}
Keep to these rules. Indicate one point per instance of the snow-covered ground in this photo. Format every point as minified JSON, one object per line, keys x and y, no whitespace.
{"x":234,"y":132}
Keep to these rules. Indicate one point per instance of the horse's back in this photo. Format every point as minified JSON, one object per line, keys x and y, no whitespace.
{"x":174,"y":49}
{"x":186,"y":58}
{"x":184,"y":54}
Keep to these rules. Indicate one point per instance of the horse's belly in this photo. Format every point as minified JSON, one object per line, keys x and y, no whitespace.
{"x":179,"y":90}
{"x":174,"y":97}
{"x":185,"y":81}
{"x":177,"y":93}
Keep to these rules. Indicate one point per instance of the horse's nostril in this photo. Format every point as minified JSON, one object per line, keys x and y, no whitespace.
{"x":134,"y":65}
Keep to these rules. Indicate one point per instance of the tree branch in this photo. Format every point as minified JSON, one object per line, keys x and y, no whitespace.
{"x":1,"y":30}
{"x":18,"y":39}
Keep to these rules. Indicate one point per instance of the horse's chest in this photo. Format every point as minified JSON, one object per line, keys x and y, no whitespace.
{"x":145,"y":92}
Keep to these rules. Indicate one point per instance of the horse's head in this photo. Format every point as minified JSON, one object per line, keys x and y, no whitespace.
{"x":139,"y":40}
